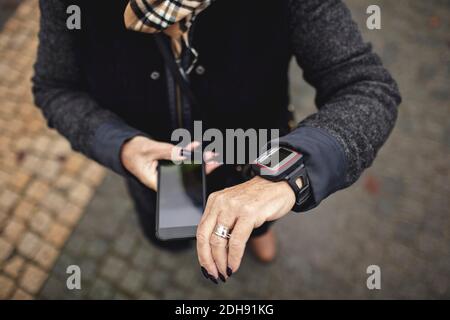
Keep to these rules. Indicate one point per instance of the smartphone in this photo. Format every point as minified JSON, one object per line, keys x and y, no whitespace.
{"x":181,"y":199}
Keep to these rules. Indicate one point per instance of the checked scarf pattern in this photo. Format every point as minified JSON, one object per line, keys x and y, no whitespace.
{"x":173,"y":17}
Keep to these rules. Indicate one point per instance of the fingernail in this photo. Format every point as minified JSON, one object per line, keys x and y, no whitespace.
{"x":229,"y":271}
{"x":213,"y":279}
{"x":222,"y":277}
{"x":205,"y":273}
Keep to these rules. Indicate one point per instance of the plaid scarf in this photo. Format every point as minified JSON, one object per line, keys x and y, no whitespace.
{"x":173,"y":17}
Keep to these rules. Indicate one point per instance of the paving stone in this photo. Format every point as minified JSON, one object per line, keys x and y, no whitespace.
{"x":13,"y":230}
{"x":31,"y":163}
{"x":76,"y":246}
{"x":40,"y":222}
{"x":74,"y":163}
{"x":7,"y":199}
{"x":186,"y":277}
{"x":158,"y":281}
{"x":37,"y":190}
{"x":23,"y":143}
{"x":29,"y":245}
{"x":21,"y":295}
{"x":109,"y":231}
{"x":133,"y":281}
{"x":35,"y":126}
{"x":80,"y":193}
{"x":24,"y":210}
{"x":124,"y":244}
{"x":3,"y":218}
{"x":46,"y":256}
{"x":5,"y":250}
{"x":6,"y":287}
{"x":70,"y":215}
{"x":49,"y":169}
{"x":32,"y":279}
{"x":14,"y":266}
{"x":41,"y":144}
{"x":113,"y":268}
{"x":101,"y":290}
{"x":166,"y":261}
{"x":60,"y":147}
{"x":65,"y":182}
{"x":96,"y":248}
{"x":55,"y":287}
{"x":93,"y":174}
{"x":143,"y":257}
{"x":4,"y":178}
{"x":55,"y":201}
{"x":19,"y":181}
{"x":57,"y":234}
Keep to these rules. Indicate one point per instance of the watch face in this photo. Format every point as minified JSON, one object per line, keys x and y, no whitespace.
{"x":277,"y":158}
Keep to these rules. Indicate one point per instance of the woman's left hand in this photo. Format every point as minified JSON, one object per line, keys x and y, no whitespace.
{"x":241,"y":209}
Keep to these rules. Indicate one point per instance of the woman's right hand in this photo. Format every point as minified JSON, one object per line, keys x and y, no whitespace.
{"x":140,"y":157}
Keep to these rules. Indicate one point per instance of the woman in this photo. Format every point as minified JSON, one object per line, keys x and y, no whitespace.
{"x":107,"y":89}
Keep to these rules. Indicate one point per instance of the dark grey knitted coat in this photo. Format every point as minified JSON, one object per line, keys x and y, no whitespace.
{"x":357,"y":98}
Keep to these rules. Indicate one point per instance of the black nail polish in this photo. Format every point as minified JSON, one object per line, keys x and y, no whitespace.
{"x":205,"y":273}
{"x":222,"y":277}
{"x":213,"y":279}
{"x":229,"y":271}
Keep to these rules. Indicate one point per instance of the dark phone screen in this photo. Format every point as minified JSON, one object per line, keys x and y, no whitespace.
{"x":180,"y":200}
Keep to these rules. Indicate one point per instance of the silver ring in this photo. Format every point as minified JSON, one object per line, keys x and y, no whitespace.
{"x":222,"y":231}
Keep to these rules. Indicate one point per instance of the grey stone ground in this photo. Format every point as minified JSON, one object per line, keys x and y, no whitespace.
{"x":397,"y":216}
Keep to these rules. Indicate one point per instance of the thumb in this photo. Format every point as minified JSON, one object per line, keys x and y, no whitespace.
{"x":149,"y":175}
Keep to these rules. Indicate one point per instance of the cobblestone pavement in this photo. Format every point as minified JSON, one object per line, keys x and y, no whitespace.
{"x":397,"y":216}
{"x":44,"y":186}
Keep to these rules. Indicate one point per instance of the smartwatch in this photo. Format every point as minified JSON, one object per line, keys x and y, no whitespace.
{"x":282,"y":164}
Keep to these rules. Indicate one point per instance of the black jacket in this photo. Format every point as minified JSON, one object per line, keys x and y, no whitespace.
{"x":102,"y":85}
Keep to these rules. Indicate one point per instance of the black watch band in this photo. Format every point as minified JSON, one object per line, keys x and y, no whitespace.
{"x":301,"y":194}
{"x":290,"y":169}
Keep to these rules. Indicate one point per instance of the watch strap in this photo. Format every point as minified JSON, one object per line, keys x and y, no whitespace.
{"x":301,"y":194}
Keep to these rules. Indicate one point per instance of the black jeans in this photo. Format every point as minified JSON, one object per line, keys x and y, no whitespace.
{"x":145,"y":205}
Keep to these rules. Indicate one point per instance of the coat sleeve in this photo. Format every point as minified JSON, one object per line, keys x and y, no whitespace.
{"x":59,"y":92}
{"x":357,"y":99}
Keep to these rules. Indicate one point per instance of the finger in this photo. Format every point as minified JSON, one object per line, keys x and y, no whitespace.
{"x":175,"y":152}
{"x":238,"y":240}
{"x":168,"y":151}
{"x":147,"y":173}
{"x":209,"y":156}
{"x":211,"y":166}
{"x":192,"y":146}
{"x":153,"y":175}
{"x":161,"y":151}
{"x":219,"y":245}
{"x":204,"y":230}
